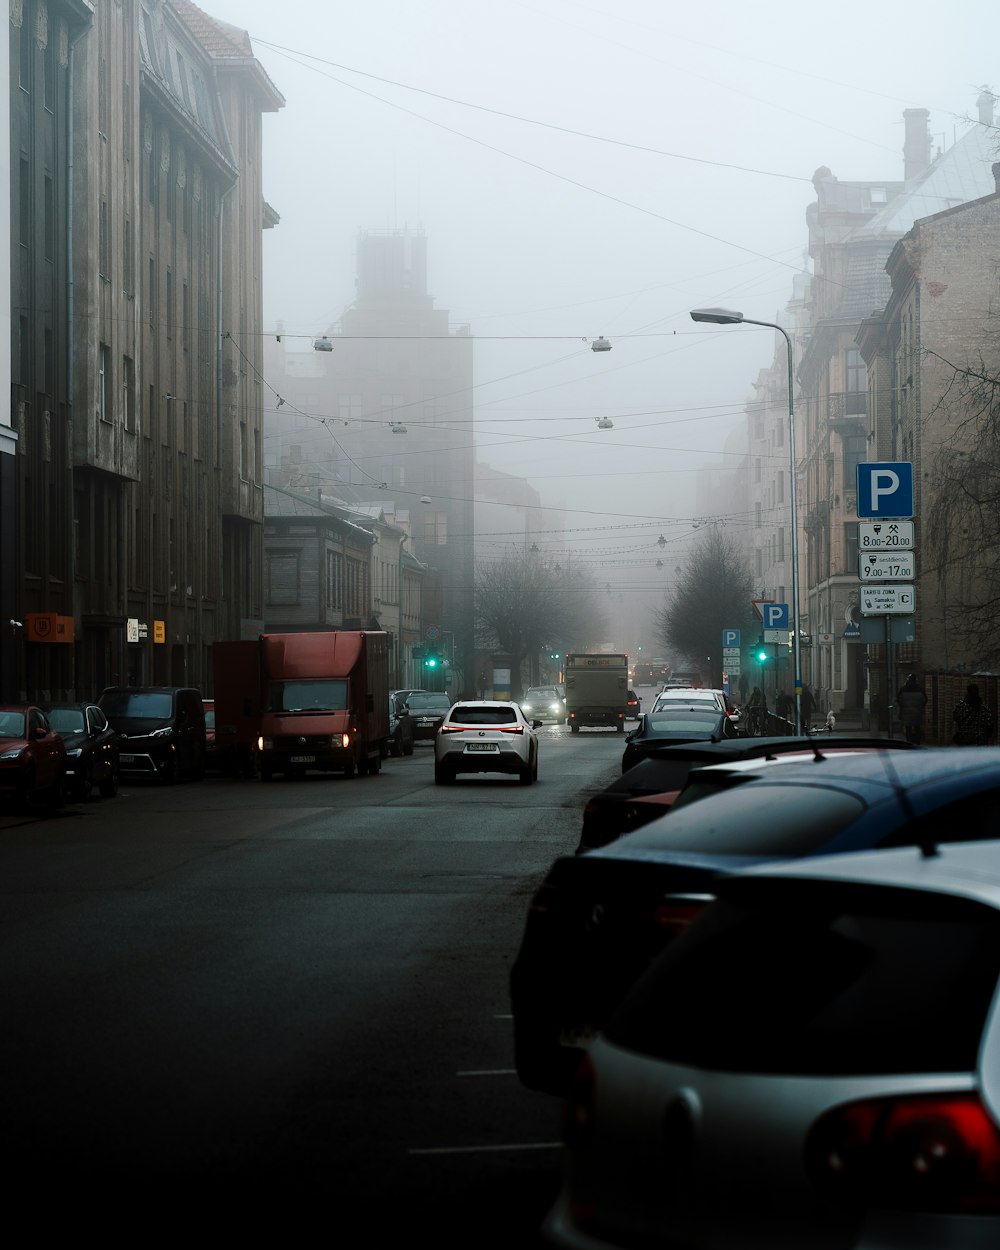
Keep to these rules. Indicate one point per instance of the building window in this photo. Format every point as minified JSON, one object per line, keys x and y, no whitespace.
{"x":855,"y":373}
{"x":50,"y":220}
{"x":349,"y":407}
{"x":851,"y":548}
{"x":104,"y":241}
{"x":103,"y":381}
{"x":283,"y":578}
{"x":128,"y":393}
{"x":855,"y":452}
{"x":436,"y":528}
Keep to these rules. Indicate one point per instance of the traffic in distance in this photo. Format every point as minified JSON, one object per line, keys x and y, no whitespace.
{"x":805,"y":926}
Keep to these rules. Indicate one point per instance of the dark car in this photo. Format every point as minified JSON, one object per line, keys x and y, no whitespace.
{"x":650,"y":788}
{"x":400,"y":727}
{"x":681,"y":723}
{"x":544,"y":703}
{"x":91,"y":748}
{"x":427,"y":712}
{"x":633,"y":706}
{"x":161,"y":730}
{"x":32,"y":756}
{"x":598,"y":919}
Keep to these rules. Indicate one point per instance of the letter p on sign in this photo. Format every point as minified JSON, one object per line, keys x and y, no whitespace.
{"x":885,"y":489}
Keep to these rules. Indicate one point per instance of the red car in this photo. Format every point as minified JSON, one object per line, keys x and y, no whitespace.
{"x":32,"y":756}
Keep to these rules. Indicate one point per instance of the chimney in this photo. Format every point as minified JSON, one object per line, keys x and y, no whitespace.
{"x":985,"y":106}
{"x":917,"y":145}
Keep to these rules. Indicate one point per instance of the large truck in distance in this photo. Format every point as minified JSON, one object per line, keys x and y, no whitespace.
{"x":299,"y":702}
{"x":596,"y":690}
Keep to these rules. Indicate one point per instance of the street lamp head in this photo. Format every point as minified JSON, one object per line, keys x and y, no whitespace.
{"x":717,"y":316}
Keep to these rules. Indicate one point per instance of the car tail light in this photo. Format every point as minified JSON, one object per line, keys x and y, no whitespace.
{"x":925,"y":1152}
{"x":455,"y":729}
{"x":578,"y":1109}
{"x":673,"y":915}
{"x":511,"y":729}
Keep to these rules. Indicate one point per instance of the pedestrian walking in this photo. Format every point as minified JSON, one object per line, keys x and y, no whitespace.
{"x":911,"y":701}
{"x":784,"y":705}
{"x":973,"y":720}
{"x":808,"y":706}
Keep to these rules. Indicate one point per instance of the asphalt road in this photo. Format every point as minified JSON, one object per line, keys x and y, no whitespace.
{"x":282,"y":1008}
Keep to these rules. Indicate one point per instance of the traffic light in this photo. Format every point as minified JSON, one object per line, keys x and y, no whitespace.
{"x":431,"y":660}
{"x":762,"y":656}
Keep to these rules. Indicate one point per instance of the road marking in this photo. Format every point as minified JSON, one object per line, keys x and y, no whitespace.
{"x":489,"y":1072}
{"x":472,"y":1150}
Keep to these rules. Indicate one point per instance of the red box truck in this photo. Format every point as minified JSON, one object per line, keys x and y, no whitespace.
{"x":300,"y":702}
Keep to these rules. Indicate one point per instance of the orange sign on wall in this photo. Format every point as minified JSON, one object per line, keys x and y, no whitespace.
{"x":49,"y":627}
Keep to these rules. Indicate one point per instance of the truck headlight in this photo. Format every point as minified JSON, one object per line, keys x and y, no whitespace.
{"x":265,"y":744}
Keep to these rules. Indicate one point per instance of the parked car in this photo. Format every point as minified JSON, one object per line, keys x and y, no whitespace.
{"x":91,"y":748}
{"x":32,"y":756}
{"x":671,"y":696}
{"x":633,"y":705}
{"x":427,"y":712}
{"x":161,"y":730}
{"x":684,"y":722}
{"x":813,"y":1064}
{"x":598,"y":919}
{"x":400,"y":727}
{"x":650,"y":788}
{"x":545,"y":703}
{"x":486,"y":736}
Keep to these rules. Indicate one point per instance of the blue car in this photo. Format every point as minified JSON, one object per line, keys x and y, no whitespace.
{"x":599,"y":918}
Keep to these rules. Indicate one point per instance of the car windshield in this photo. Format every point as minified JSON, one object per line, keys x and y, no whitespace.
{"x":541,"y":692}
{"x":428,"y":702}
{"x":11,"y":724}
{"x":820,"y":978}
{"x":328,"y":694}
{"x":676,"y":719}
{"x":66,"y":720}
{"x":473,"y":715}
{"x":137,"y":704}
{"x":757,"y":819}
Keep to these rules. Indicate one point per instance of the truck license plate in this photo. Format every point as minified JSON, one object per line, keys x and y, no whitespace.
{"x":482,"y":746}
{"x":302,"y":759}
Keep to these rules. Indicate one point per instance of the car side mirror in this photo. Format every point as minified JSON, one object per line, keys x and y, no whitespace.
{"x":537,"y":724}
{"x":38,"y":733}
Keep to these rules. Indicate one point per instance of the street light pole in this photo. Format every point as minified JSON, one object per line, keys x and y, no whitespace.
{"x":725,"y":317}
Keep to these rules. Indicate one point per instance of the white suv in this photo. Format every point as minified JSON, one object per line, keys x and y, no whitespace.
{"x":485,"y":736}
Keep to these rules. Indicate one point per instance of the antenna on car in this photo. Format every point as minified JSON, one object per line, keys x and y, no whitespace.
{"x":928,"y":847}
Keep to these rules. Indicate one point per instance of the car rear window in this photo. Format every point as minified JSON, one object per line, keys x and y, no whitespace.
{"x":680,"y":717}
{"x":823,"y":978}
{"x":483,"y":716}
{"x":762,"y":819}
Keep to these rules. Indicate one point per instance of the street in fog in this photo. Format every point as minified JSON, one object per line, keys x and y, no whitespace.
{"x":253,"y":995}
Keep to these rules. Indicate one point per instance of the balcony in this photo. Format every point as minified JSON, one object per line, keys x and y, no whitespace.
{"x":847,"y":412}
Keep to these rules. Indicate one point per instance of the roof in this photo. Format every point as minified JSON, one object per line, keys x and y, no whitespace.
{"x":962,"y":173}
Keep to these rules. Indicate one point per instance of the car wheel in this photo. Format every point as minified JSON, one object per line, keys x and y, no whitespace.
{"x":534,"y":768}
{"x":621,"y":726}
{"x":363,"y":766}
{"x":443,"y":776}
{"x":266,"y":774}
{"x":23,"y":796}
{"x":109,"y":786}
{"x":527,"y":774}
{"x":349,"y":768}
{"x":575,"y":728}
{"x":169,"y":774}
{"x":395,"y":750}
{"x":85,"y":786}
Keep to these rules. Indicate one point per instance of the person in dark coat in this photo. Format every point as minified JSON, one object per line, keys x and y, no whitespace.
{"x":973,"y":720}
{"x":808,"y":705}
{"x":911,"y":702}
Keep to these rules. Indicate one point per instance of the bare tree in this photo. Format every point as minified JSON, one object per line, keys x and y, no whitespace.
{"x":713,"y":593}
{"x":524,"y":607}
{"x":962,"y":514}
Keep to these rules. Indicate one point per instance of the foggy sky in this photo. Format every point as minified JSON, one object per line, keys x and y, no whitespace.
{"x":542,"y":240}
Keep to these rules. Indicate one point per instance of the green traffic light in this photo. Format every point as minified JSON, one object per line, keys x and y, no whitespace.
{"x":762,"y":657}
{"x":430,"y":662}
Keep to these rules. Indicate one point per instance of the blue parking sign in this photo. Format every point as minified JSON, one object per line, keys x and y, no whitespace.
{"x":885,"y":489}
{"x":730,"y":637}
{"x":775,"y":615}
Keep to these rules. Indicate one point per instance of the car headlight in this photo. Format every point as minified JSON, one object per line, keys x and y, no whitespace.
{"x":13,"y":754}
{"x":75,"y":754}
{"x":165,"y":732}
{"x":265,"y":744}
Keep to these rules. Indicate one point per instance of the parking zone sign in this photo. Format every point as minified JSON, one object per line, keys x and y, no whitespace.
{"x":885,"y":489}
